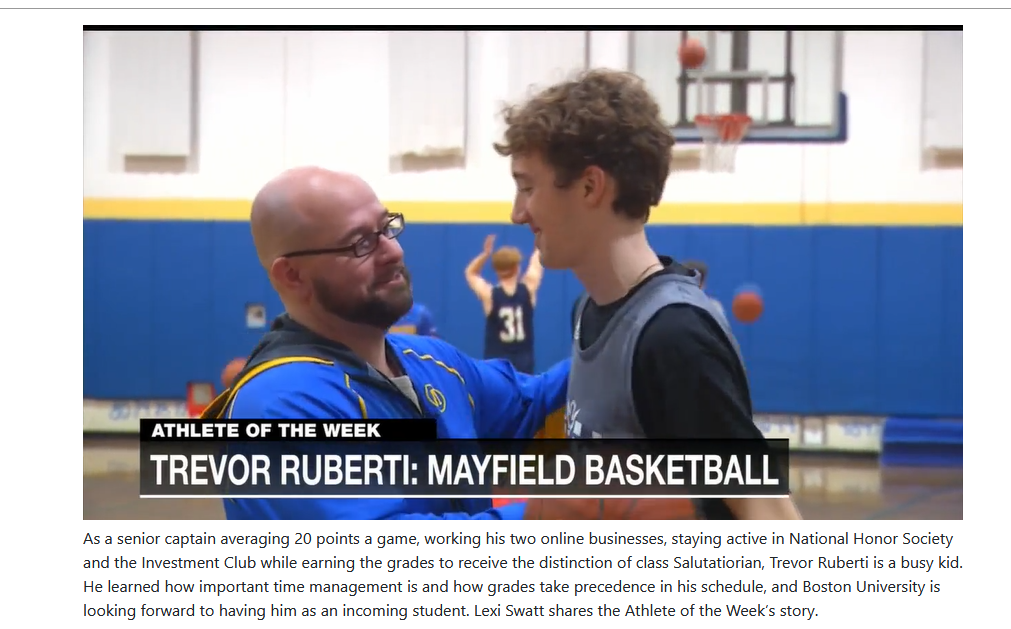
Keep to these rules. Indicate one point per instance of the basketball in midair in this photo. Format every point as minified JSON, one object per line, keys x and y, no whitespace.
{"x":692,"y":54}
{"x":747,"y":305}
{"x":231,"y":370}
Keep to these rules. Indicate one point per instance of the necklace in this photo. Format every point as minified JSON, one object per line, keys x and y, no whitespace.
{"x":656,"y":266}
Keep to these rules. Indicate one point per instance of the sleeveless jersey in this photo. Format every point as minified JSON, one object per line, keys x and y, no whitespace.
{"x":509,"y":327}
{"x":600,"y":403}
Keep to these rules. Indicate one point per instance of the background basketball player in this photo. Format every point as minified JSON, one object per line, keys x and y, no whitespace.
{"x":509,"y":305}
{"x":418,"y":320}
{"x":703,"y":271}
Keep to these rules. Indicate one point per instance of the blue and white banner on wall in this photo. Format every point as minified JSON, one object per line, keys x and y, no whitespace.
{"x":830,"y":433}
{"x":123,"y":416}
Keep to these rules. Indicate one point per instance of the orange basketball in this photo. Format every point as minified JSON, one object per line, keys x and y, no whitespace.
{"x":747,"y":306}
{"x":231,"y":370}
{"x":692,"y":54}
{"x":610,"y":509}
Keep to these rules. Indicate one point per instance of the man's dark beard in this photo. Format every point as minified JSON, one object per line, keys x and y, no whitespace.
{"x":372,"y":311}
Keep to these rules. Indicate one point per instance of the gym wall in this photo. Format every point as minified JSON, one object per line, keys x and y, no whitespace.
{"x":857,"y":248}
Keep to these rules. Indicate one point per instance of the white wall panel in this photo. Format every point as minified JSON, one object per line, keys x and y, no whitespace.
{"x":428,"y":92}
{"x":271,"y":100}
{"x":337,"y":106}
{"x":538,"y":59}
{"x":942,"y":89}
{"x":609,"y":49}
{"x":243,"y":88}
{"x":151,"y":96}
{"x":97,"y":111}
{"x":488,"y":82}
{"x":654,"y":58}
{"x":881,"y":161}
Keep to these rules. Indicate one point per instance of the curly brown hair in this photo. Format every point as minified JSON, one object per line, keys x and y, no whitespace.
{"x":603,"y":118}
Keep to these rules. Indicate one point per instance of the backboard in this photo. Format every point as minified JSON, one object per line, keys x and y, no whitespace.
{"x":789,"y":82}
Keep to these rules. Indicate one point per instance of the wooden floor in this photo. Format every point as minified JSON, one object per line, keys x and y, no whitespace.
{"x":825,"y":488}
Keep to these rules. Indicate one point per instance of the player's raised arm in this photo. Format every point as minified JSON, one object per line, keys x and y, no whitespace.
{"x":478,"y":284}
{"x":535,"y":273}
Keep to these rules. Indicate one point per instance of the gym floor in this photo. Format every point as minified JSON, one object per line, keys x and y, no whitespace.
{"x":825,"y":488}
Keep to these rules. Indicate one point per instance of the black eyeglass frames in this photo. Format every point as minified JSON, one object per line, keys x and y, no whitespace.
{"x":362,"y":247}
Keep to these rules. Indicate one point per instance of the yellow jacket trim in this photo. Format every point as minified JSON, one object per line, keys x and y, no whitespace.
{"x":444,"y":366}
{"x":361,"y":400}
{"x":224,"y":401}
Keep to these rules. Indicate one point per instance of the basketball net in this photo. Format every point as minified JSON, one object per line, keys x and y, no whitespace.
{"x":721,"y":135}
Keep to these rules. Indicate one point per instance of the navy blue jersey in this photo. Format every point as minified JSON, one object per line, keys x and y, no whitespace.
{"x":509,"y":328}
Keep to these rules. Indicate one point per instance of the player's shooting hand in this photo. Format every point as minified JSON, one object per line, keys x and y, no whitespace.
{"x":489,"y":244}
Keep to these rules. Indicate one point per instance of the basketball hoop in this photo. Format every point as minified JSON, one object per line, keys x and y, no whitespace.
{"x":720,"y":137}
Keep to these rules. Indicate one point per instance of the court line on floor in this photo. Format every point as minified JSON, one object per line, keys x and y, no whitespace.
{"x":882,"y":514}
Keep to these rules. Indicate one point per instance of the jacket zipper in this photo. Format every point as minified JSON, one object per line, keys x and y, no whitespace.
{"x":386,"y":383}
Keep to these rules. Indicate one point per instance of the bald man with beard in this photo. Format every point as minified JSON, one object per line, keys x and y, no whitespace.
{"x":330,"y":249}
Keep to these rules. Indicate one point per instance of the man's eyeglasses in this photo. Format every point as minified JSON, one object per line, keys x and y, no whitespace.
{"x":362,"y":247}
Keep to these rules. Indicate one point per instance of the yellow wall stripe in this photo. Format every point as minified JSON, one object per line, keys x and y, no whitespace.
{"x":497,"y":212}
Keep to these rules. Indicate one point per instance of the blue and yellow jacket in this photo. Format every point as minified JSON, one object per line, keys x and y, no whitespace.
{"x":296,"y":374}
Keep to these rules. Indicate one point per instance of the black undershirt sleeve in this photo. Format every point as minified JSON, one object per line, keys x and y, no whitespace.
{"x":686,"y":380}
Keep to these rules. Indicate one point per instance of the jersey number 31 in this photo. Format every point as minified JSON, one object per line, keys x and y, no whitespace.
{"x":512,"y":324}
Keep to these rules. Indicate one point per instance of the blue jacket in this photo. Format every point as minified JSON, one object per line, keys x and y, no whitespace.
{"x":294,"y":374}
